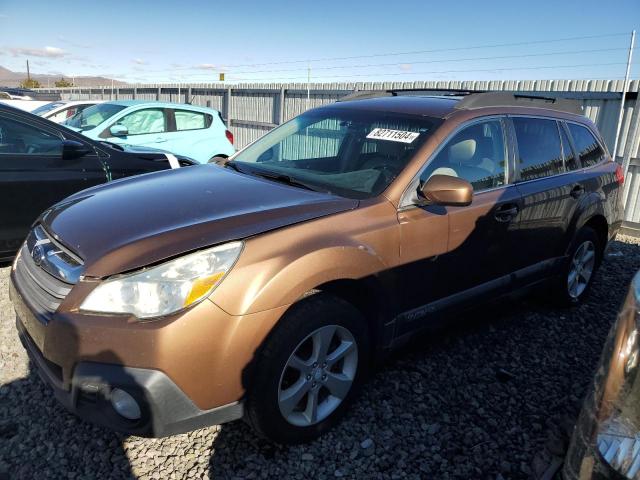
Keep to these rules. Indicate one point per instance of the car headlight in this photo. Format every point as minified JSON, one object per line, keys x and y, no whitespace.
{"x":165,"y":288}
{"x":607,"y":436}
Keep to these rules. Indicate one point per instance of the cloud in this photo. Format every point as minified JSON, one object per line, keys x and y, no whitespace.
{"x":206,"y":66}
{"x":406,"y":67}
{"x":139,"y":61}
{"x":73,"y":44}
{"x":46,"y":52}
{"x":3,"y":16}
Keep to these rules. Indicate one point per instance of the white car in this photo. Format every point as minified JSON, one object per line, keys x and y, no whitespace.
{"x":26,"y":105}
{"x":61,"y":110}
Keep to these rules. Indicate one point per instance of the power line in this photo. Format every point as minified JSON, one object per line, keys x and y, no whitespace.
{"x":415,"y":52}
{"x":390,"y":54}
{"x":498,"y":57}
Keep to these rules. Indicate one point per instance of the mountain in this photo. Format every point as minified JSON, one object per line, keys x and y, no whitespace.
{"x":13,"y":79}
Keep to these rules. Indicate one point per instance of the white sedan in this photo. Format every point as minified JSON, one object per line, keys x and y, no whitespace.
{"x":61,"y":110}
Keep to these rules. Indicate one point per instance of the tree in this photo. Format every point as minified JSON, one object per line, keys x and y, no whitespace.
{"x":63,"y":83}
{"x":30,"y":83}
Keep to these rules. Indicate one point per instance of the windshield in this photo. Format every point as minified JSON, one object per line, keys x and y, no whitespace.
{"x":355,"y":154}
{"x":47,"y":108}
{"x":93,"y":116}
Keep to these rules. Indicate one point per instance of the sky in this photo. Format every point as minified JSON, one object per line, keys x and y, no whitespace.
{"x":142,"y":41}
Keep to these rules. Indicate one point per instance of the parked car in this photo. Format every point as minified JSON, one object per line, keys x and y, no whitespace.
{"x":62,"y":110}
{"x":197,"y":132}
{"x":41,"y":163}
{"x":26,"y":99}
{"x":606,"y":441}
{"x":265,"y":289}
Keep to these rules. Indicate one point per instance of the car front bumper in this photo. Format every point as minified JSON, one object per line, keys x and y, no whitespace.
{"x":165,"y":409}
{"x":185,"y":372}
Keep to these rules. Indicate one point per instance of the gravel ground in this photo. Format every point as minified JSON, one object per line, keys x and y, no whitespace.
{"x":492,"y":397}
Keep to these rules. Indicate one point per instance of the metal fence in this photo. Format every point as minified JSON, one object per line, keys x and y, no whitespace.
{"x":253,"y":109}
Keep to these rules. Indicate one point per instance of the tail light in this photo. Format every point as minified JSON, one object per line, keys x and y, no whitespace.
{"x":229,"y":136}
{"x":619,"y":175}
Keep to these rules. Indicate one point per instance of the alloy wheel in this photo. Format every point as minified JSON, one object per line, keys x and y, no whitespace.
{"x":318,"y":375}
{"x":581,"y":269}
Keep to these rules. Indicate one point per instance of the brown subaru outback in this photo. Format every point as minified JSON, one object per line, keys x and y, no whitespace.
{"x":265,"y":286}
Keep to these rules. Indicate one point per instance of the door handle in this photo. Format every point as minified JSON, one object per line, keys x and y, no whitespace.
{"x":577,"y":191}
{"x":505,"y":213}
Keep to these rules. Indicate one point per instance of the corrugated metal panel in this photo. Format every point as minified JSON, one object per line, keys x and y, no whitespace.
{"x":632,"y":192}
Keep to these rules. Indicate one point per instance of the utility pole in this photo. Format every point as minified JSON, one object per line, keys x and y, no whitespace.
{"x":308,"y":84}
{"x":625,"y":87}
{"x":28,"y":73}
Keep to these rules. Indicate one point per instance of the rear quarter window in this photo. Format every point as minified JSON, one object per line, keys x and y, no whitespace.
{"x":188,"y":120}
{"x":570,"y":160}
{"x":590,"y":151}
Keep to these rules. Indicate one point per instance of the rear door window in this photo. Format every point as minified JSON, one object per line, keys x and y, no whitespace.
{"x":590,"y":151}
{"x":539,"y":151}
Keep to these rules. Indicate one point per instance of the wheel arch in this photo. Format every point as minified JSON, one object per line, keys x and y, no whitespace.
{"x":590,"y":212}
{"x":599,"y":223}
{"x":366,"y":296}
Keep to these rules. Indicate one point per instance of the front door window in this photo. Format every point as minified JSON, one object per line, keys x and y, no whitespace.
{"x":476,"y":154}
{"x":150,"y":120}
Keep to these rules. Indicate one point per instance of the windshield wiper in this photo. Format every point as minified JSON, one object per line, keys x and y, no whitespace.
{"x":276,"y":177}
{"x":282,"y":178}
{"x":233,"y":165}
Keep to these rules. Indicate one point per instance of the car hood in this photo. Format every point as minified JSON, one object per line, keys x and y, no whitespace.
{"x":138,"y":221}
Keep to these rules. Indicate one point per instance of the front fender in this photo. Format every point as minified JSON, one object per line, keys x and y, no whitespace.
{"x":281,"y":281}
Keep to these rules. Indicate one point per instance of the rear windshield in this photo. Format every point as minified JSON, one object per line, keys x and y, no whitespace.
{"x":93,"y":116}
{"x":352,"y":153}
{"x":47,"y":108}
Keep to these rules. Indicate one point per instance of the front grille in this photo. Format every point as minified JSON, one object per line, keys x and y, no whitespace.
{"x":45,"y":272}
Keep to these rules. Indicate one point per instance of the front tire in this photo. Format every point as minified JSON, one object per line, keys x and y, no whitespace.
{"x":309,"y":370}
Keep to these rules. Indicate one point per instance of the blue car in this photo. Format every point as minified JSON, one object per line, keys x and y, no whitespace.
{"x":195,"y":132}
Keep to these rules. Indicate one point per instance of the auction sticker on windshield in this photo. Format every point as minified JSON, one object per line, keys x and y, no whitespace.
{"x":393,"y":135}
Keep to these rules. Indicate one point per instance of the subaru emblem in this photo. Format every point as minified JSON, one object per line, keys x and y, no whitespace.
{"x":37,"y":254}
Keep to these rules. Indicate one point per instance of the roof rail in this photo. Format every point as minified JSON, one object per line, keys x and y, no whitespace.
{"x":396,"y":92}
{"x":515,"y":99}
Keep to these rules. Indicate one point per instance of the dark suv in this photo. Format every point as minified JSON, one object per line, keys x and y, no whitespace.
{"x":272,"y":284}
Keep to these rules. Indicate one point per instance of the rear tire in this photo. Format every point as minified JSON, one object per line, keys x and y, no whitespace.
{"x":573,"y":285}
{"x":308,"y":370}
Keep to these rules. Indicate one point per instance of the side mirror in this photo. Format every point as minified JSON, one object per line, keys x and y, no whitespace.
{"x":118,"y":130}
{"x":73,"y":149}
{"x":447,"y":191}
